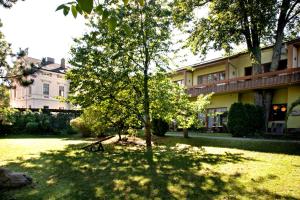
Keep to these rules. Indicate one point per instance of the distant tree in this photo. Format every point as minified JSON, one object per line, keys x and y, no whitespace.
{"x":21,"y":69}
{"x":4,"y":96}
{"x":188,"y":111}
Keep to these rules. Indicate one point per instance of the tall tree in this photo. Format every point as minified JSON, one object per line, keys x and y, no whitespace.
{"x":234,"y":22}
{"x":288,"y":18}
{"x":130,"y":49}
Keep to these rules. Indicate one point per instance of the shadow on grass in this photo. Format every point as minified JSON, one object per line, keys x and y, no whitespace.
{"x":258,"y":146}
{"x":134,"y":173}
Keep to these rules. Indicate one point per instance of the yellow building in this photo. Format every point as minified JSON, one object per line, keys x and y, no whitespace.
{"x":232,"y":80}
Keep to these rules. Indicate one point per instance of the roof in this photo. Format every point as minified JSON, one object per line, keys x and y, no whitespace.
{"x":57,"y":68}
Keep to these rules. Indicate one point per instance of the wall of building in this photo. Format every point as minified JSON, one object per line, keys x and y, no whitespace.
{"x":36,"y":99}
{"x":280,"y":96}
{"x":247,"y":97}
{"x":293,"y":95}
{"x":223,"y":100}
{"x":207,"y":70}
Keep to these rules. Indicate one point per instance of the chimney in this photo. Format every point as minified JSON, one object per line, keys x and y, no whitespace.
{"x":50,"y":60}
{"x":63,"y":63}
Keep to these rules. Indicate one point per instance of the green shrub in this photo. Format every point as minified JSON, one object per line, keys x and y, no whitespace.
{"x":245,"y":119}
{"x":79,"y":125}
{"x":159,"y":127}
{"x":32,"y":127}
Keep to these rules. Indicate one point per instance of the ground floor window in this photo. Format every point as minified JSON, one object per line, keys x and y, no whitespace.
{"x":216,"y":117}
{"x":278,"y":112}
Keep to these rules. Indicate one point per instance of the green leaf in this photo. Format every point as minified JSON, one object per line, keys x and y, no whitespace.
{"x":112,"y":23}
{"x":125,"y":2}
{"x":62,"y":6}
{"x":142,"y":2}
{"x":86,"y":5}
{"x":105,"y":15}
{"x":74,"y":11}
{"x":66,"y":10}
{"x":78,"y":9}
{"x":99,"y":9}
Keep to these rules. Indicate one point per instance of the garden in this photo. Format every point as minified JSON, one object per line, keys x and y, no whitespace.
{"x":175,"y":168}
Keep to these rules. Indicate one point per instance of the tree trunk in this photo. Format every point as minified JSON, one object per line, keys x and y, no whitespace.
{"x":282,"y":21}
{"x":256,"y":60}
{"x":268,"y":96}
{"x":185,"y":133}
{"x":147,"y":121}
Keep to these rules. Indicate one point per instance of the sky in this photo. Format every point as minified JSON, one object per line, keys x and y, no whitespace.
{"x":35,"y":24}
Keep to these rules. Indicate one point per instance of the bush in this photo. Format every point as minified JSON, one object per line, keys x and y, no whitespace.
{"x":245,"y":119}
{"x":79,"y":125}
{"x":159,"y":127}
{"x":32,"y":127}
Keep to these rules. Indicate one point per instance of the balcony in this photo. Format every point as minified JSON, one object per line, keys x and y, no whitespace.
{"x":260,"y":81}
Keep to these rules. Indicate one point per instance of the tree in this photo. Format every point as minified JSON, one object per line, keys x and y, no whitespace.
{"x":20,"y":70}
{"x":4,"y":97}
{"x":289,"y":13}
{"x":126,"y":57}
{"x":188,"y":111}
{"x":234,"y":22}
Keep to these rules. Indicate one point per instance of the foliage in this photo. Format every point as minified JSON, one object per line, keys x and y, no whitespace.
{"x":159,"y":127}
{"x":245,"y":119}
{"x":32,"y":127}
{"x":188,"y":110}
{"x":85,"y":7}
{"x":4,"y":96}
{"x":117,"y":67}
{"x":34,"y":122}
{"x":233,"y":22}
{"x":79,"y":125}
{"x":293,"y":105}
{"x":21,"y":70}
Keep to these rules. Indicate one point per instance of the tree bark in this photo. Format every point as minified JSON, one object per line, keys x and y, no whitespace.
{"x":282,"y":21}
{"x":268,"y":96}
{"x":185,"y":133}
{"x":256,"y":60}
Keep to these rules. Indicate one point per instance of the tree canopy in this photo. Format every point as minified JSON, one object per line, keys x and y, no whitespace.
{"x":120,"y":61}
{"x":234,"y":22}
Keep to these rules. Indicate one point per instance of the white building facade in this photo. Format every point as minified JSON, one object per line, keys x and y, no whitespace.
{"x":48,"y":89}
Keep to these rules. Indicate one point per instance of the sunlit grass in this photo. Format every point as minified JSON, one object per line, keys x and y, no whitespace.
{"x":176,"y":168}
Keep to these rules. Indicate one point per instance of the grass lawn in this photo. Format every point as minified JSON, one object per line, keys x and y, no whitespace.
{"x":176,"y":168}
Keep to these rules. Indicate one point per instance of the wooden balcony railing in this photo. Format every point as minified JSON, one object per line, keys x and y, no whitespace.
{"x":260,"y":81}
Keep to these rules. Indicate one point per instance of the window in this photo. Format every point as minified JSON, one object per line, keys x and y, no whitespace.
{"x":222,"y":76}
{"x":46,"y":89}
{"x":248,"y":71}
{"x":46,"y":107}
{"x":216,"y":117}
{"x":211,"y":78}
{"x":278,"y":112}
{"x":282,"y":65}
{"x":15,"y":92}
{"x":200,"y":80}
{"x":61,"y":91}
{"x":179,"y":82}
